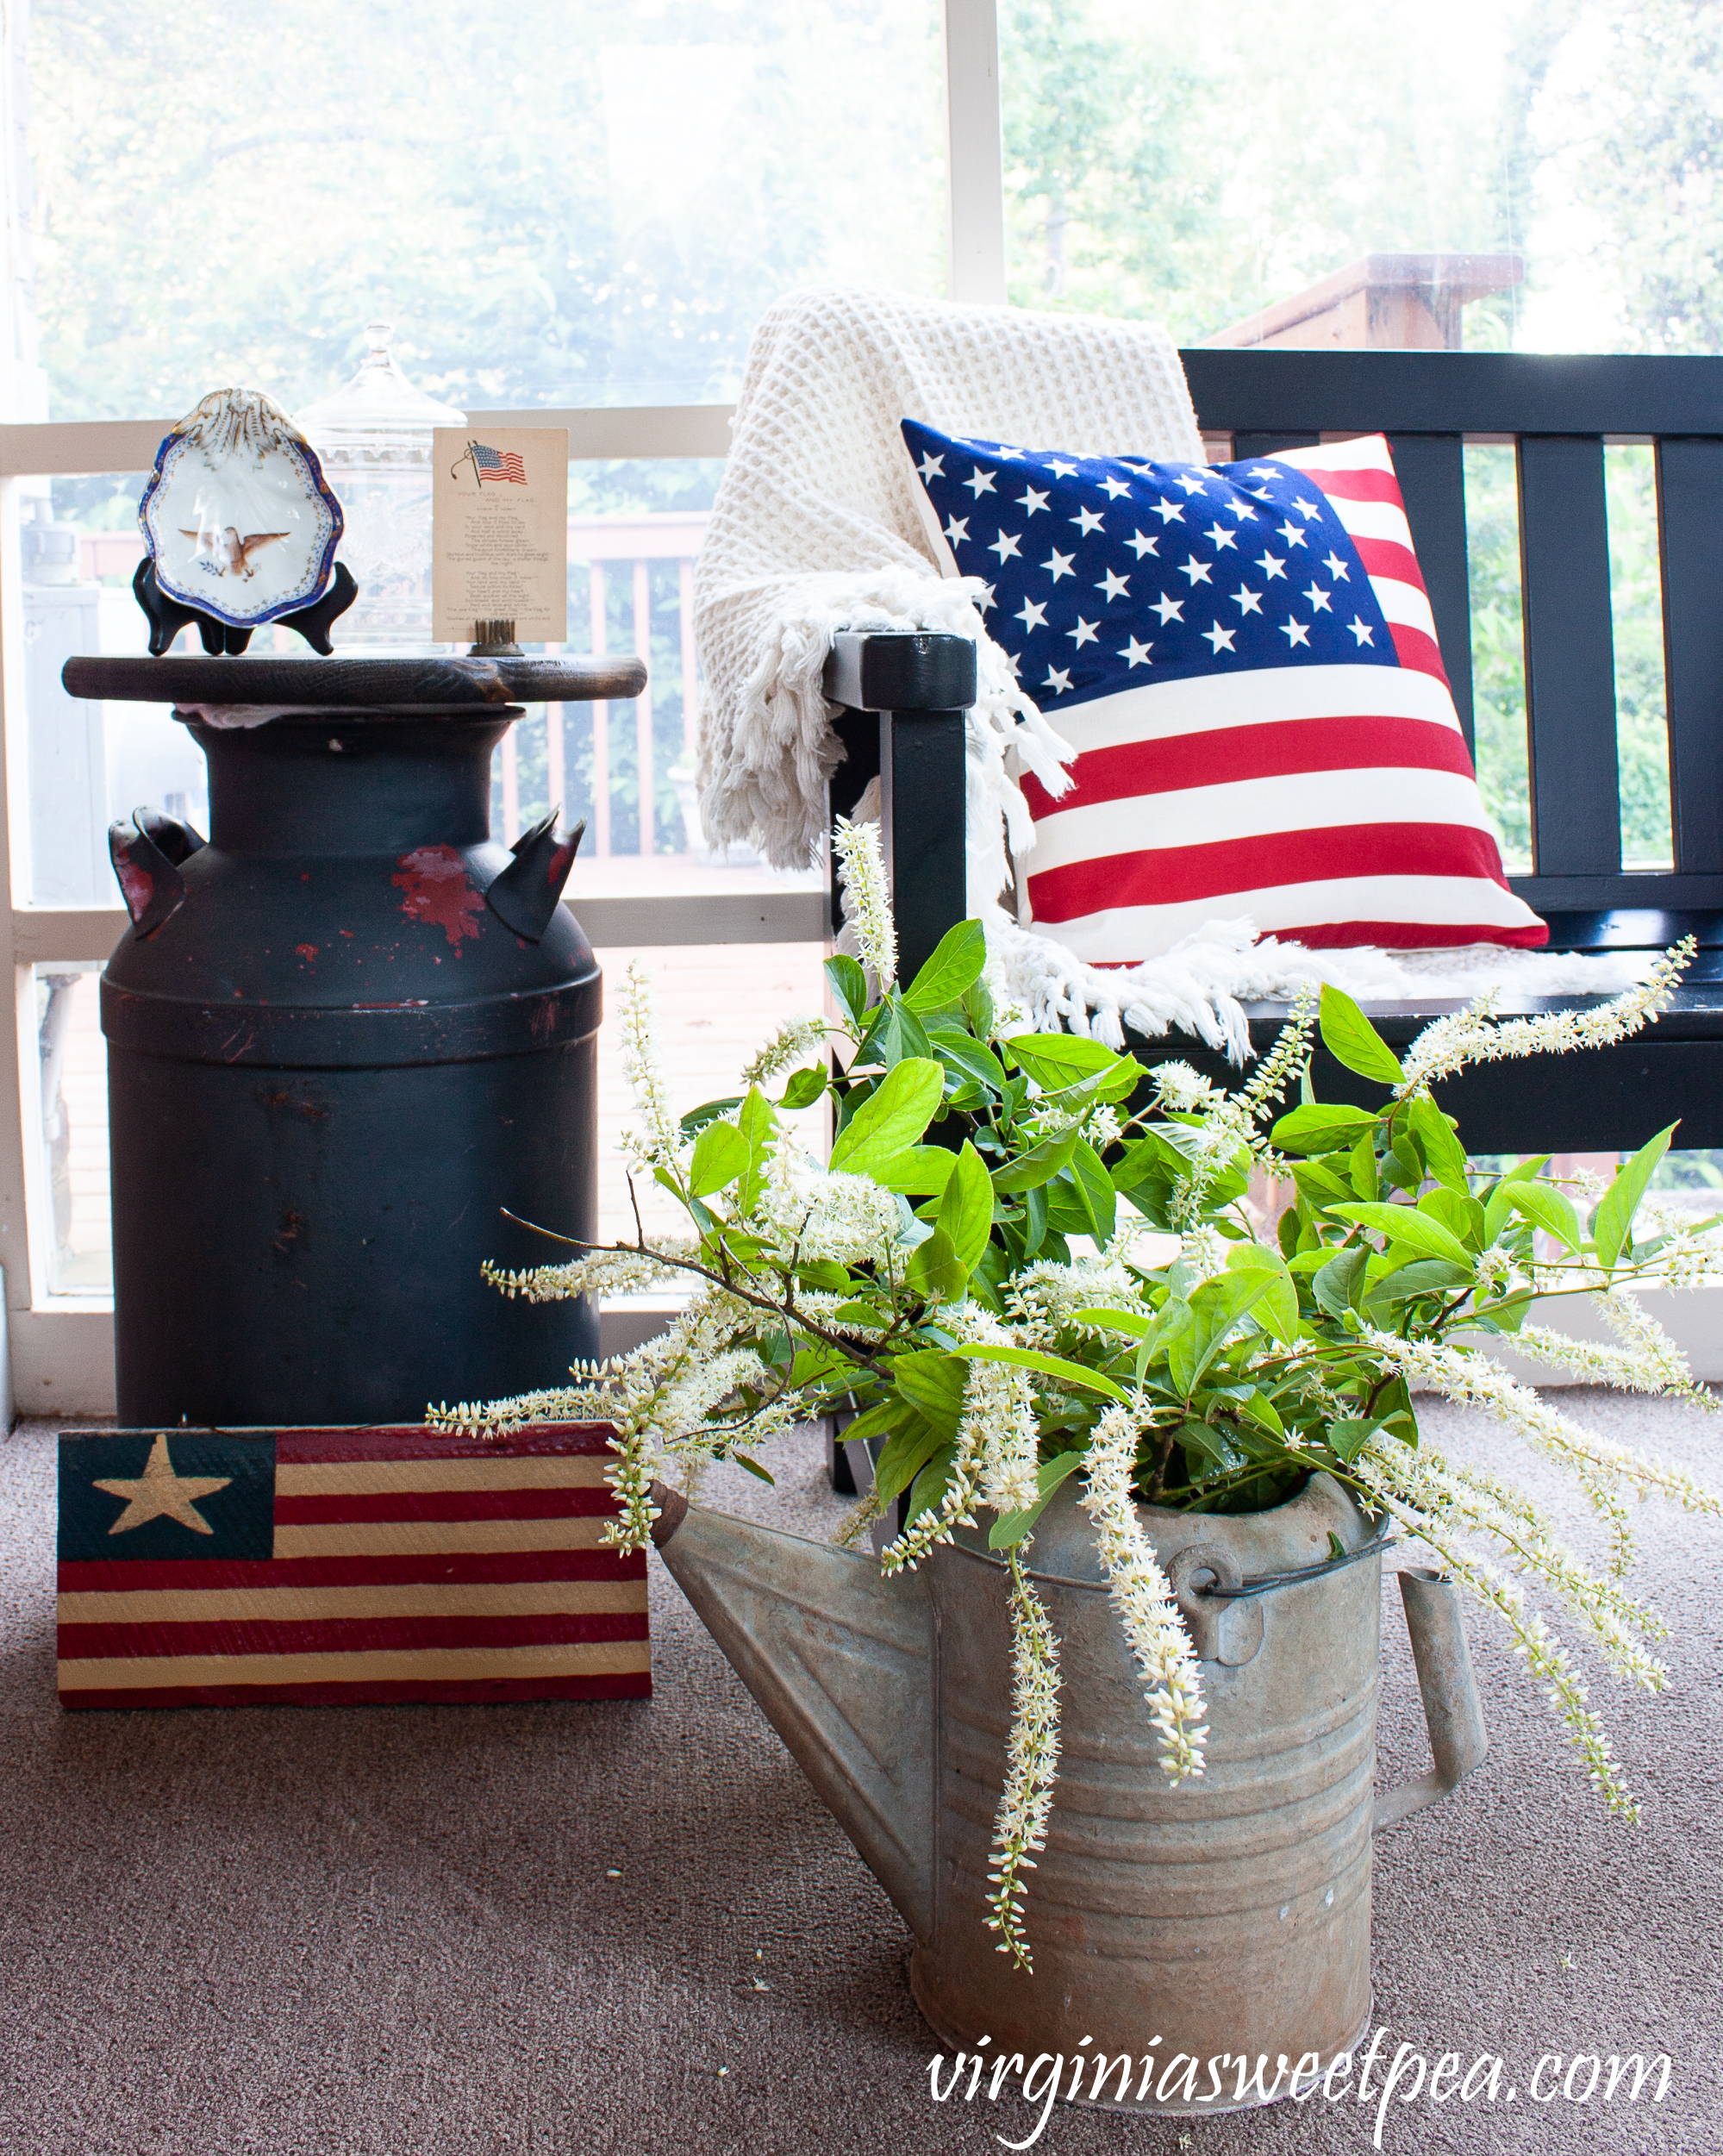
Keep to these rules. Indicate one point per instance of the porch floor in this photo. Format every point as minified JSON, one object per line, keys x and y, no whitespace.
{"x":333,"y":1933}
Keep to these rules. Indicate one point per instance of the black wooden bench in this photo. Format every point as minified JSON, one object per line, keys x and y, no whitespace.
{"x":904,"y":698}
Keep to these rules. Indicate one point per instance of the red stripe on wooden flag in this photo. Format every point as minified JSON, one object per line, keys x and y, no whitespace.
{"x":451,"y":1569}
{"x":343,"y":1635}
{"x":472,"y":1691}
{"x":414,"y":1441}
{"x":446,"y":1504}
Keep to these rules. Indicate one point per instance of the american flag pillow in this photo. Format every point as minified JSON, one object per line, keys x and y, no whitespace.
{"x":1244,"y":660}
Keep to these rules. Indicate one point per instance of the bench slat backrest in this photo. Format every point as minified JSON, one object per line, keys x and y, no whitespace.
{"x":1558,"y":411}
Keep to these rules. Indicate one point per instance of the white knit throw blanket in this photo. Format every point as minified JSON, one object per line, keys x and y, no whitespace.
{"x":817,"y":528}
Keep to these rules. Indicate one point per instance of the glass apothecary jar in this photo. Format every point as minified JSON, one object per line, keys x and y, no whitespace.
{"x":374,"y":439}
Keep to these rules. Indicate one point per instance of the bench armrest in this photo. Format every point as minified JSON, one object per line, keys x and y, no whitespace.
{"x":881,"y":670}
{"x":905,"y":695}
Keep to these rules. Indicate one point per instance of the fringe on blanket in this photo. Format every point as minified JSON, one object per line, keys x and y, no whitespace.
{"x":783,"y":705}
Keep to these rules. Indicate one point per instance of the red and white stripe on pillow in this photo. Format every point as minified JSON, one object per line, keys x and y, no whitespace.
{"x":1334,"y":806}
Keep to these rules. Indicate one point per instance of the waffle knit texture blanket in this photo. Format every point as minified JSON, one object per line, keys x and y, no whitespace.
{"x":816,"y":527}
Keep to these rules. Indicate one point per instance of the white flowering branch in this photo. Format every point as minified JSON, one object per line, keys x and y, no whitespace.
{"x":1471,"y":1380}
{"x":1385,"y":1476}
{"x":1142,"y":1596}
{"x":794,"y":1038}
{"x":657,"y":1142}
{"x":1031,"y":1761}
{"x":1474,"y":1036}
{"x":863,"y":868}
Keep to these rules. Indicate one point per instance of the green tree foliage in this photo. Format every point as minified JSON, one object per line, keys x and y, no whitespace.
{"x":557,"y":201}
{"x":1195,"y":169}
{"x":1110,"y":195}
{"x":1629,"y":121}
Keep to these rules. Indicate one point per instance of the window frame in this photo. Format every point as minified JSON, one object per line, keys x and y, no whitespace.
{"x":56,"y":1351}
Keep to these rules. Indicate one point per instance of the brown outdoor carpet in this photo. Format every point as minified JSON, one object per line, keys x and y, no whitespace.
{"x":331,"y":1933}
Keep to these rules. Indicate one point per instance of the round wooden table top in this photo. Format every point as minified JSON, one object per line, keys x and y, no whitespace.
{"x":353,"y":684}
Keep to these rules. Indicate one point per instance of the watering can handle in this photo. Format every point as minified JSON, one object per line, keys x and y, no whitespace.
{"x":1452,"y":1712}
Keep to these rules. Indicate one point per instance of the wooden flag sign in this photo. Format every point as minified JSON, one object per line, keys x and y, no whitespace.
{"x":334,"y":1568}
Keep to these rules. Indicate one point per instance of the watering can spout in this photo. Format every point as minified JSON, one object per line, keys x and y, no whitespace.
{"x":840,"y":1660}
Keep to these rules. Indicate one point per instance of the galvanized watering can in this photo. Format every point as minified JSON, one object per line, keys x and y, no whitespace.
{"x":1229,"y":1915}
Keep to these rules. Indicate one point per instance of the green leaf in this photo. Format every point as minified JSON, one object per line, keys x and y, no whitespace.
{"x":1029,"y":1171}
{"x":1132,"y":1323}
{"x":1280,"y":1304}
{"x":966,"y":1208}
{"x":1035,"y":1221}
{"x":904,"y":1456}
{"x":929,"y":1487}
{"x":1257,"y":1408}
{"x":1405,"y":1162}
{"x":1612,"y":1224}
{"x":709,"y":1111}
{"x":1074,"y":1374}
{"x":754,"y":1467}
{"x":1151,"y":1158}
{"x":1551,"y":1209}
{"x":1216,"y":1307}
{"x":804,"y":1088}
{"x":1347,"y":1439}
{"x":935,"y":1271}
{"x":757,"y":1124}
{"x":1402,"y":1224}
{"x":1093,"y":1190}
{"x":720,"y":1154}
{"x":957,"y":959}
{"x":1067,"y":1215}
{"x":1010,"y":1528}
{"x":1398,"y":1284}
{"x":891,"y":1118}
{"x":1056,"y":1060}
{"x":959,"y":1052}
{"x":1350,"y":1039}
{"x":1444,"y":1154}
{"x":1456,"y":1209}
{"x":884,"y":1416}
{"x":918,"y":1170}
{"x":1209,"y":1443}
{"x":1498,"y":1204}
{"x":850,"y":982}
{"x":1321,"y":1127}
{"x":932,"y":1381}
{"x":894,"y":1036}
{"x":1337,"y":1283}
{"x":1361,"y":1169}
{"x":1117,"y":1084}
{"x":1319,"y":1183}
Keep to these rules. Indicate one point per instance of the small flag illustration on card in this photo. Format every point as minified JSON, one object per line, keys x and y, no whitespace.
{"x":503,"y":465}
{"x":332,"y":1567}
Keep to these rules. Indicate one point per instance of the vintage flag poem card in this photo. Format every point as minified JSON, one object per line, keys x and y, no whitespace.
{"x":499,"y":530}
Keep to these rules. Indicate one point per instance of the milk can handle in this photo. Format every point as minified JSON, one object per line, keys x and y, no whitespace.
{"x":1452,"y":1712}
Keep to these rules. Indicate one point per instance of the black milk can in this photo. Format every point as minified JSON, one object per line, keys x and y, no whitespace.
{"x":348,"y":1039}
